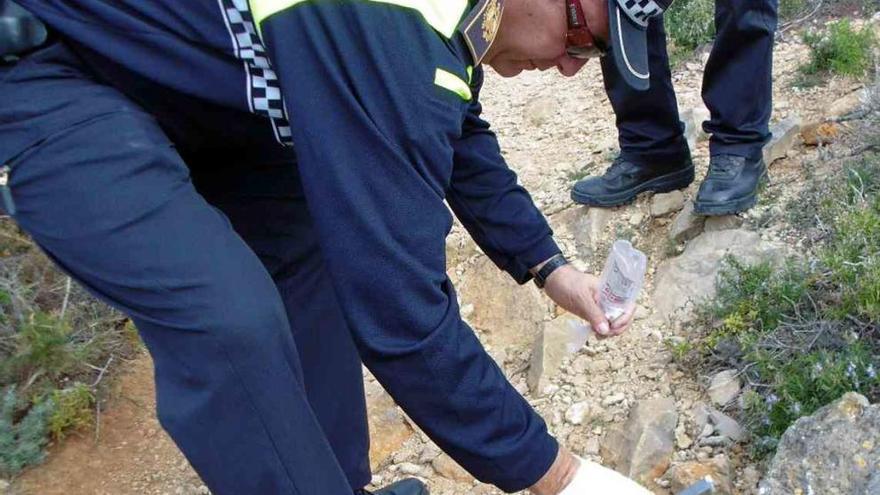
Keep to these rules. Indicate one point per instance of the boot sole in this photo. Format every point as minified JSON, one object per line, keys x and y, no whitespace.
{"x":734,"y":206}
{"x":663,"y":184}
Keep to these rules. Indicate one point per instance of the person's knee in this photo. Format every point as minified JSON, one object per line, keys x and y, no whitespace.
{"x":201,"y":369}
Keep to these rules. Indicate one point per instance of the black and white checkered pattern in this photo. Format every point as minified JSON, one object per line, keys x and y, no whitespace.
{"x":263,"y":88}
{"x":639,"y":11}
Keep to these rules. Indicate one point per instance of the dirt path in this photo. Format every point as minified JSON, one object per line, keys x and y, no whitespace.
{"x":132,"y":454}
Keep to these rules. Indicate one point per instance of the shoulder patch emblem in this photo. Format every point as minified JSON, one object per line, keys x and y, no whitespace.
{"x":480,"y":27}
{"x":491,"y":20}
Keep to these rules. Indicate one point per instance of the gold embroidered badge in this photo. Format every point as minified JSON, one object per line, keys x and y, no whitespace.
{"x":491,"y":20}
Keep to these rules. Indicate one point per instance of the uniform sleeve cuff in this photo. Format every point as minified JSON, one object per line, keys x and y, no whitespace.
{"x":541,"y":251}
{"x":534,"y":466}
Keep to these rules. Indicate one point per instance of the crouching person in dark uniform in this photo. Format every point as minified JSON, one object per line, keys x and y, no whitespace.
{"x":260,"y":186}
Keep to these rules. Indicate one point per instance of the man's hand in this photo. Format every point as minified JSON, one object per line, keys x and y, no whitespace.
{"x":577,"y":293}
{"x":570,"y":475}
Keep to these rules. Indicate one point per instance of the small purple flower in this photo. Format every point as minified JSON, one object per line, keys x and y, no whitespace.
{"x":772,"y":399}
{"x":851,"y":370}
{"x":872,"y":373}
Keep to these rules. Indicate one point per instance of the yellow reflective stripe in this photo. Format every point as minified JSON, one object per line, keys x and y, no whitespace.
{"x":470,"y":73}
{"x":442,"y":15}
{"x":450,"y":81}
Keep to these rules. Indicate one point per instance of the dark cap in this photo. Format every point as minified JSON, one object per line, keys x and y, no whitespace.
{"x":628,"y":21}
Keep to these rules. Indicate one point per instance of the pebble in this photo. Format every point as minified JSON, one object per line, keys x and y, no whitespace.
{"x":613,"y":399}
{"x":577,"y":412}
{"x":409,"y":468}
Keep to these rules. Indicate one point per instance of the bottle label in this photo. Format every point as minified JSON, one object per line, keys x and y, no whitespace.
{"x":618,"y":287}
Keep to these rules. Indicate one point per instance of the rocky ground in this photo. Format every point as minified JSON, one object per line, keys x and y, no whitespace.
{"x":622,"y":401}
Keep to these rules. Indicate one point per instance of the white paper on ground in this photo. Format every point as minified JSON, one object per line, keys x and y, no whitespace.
{"x":593,"y":479}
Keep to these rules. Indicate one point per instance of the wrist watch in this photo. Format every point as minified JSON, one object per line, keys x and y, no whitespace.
{"x":549,"y":267}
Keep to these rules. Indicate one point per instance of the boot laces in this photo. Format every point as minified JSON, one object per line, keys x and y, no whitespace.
{"x":725,"y":165}
{"x":618,"y":167}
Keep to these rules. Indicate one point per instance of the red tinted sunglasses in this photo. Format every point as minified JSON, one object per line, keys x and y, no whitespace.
{"x":580,"y":42}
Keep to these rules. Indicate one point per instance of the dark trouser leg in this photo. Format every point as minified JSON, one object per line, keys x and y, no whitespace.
{"x":737,"y":84}
{"x":109,"y":198}
{"x":265,"y":204}
{"x":650,"y":131}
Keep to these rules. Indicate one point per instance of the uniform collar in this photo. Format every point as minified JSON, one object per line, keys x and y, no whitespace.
{"x":480,"y":27}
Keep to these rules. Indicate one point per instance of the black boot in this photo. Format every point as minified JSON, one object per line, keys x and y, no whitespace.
{"x":403,"y":487}
{"x":624,"y":180}
{"x":731,"y":185}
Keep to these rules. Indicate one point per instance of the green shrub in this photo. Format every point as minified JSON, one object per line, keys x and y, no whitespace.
{"x":807,"y":331}
{"x":839,"y":49}
{"x":73,"y":410}
{"x":690,"y":23}
{"x":791,"y":9}
{"x":54,"y":338}
{"x":22,"y":441}
{"x":803,"y":384}
{"x":755,"y":297}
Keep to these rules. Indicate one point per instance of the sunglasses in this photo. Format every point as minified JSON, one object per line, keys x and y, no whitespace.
{"x":580,"y":42}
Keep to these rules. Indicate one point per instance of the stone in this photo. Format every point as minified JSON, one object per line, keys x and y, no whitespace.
{"x":584,"y":225}
{"x":683,"y":475}
{"x":665,"y":203}
{"x":388,"y":427}
{"x":724,"y":222}
{"x":577,"y":412}
{"x":409,"y":468}
{"x":449,"y":469}
{"x":558,"y":340}
{"x":707,"y":431}
{"x":636,"y":218}
{"x":727,"y":426}
{"x":700,"y":414}
{"x":592,"y":446}
{"x":429,"y":453}
{"x":846,"y":104}
{"x":459,"y":248}
{"x":686,"y":225}
{"x":690,"y":277}
{"x":820,"y":133}
{"x":538,"y":111}
{"x":642,"y":448}
{"x":613,"y":399}
{"x":598,"y":366}
{"x":693,"y":119}
{"x":683,"y":441}
{"x":724,"y":387}
{"x":506,"y":312}
{"x":834,"y":451}
{"x":785,"y":133}
{"x":715,"y":441}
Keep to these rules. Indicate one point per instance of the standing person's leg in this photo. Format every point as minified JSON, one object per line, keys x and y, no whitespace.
{"x":104,"y":192}
{"x":737,"y":89}
{"x":650,"y":132}
{"x":264,"y":201}
{"x":738,"y":81}
{"x":654,"y":154}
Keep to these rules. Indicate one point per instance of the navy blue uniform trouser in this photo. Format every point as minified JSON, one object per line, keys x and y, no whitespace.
{"x":208,"y":246}
{"x":737,"y":89}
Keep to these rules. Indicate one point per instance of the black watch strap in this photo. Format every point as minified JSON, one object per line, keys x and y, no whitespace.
{"x":548,"y":268}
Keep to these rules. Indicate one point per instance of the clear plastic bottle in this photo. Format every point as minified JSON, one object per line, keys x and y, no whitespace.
{"x":622,"y":278}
